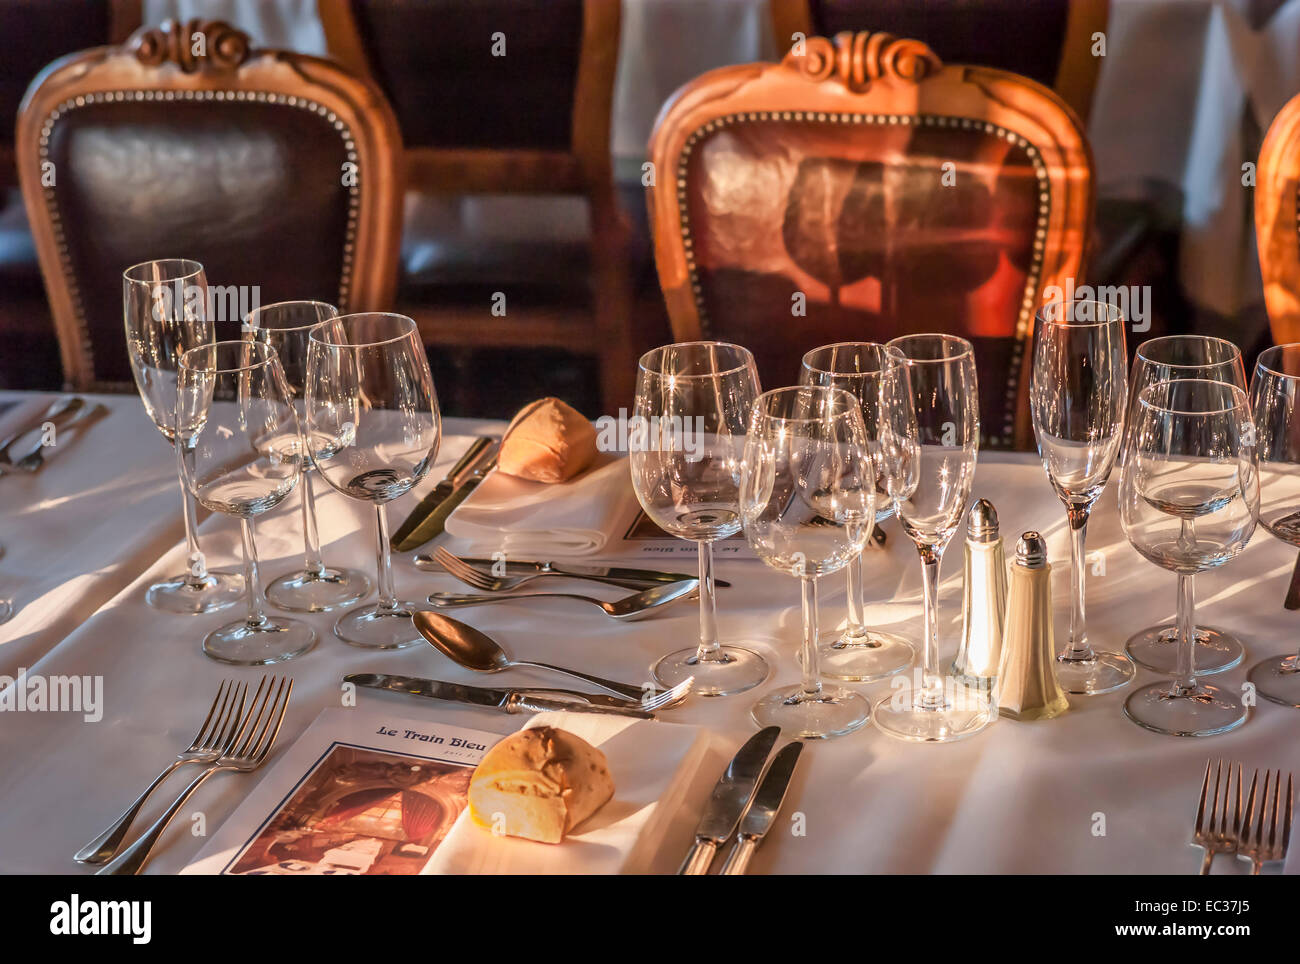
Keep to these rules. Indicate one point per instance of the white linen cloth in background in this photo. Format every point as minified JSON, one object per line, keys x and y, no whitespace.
{"x":652,"y":765}
{"x":537,"y":520}
{"x":1020,"y":797}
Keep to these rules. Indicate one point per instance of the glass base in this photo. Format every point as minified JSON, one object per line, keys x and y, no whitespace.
{"x":834,"y":712}
{"x":1101,"y":674}
{"x":370,"y":627}
{"x":1204,"y":711}
{"x":274,"y":641}
{"x":317,"y":592}
{"x":732,"y":669}
{"x":872,"y":656}
{"x":1156,"y":648}
{"x":963,"y":714}
{"x":1278,"y":679}
{"x":217,"y":590}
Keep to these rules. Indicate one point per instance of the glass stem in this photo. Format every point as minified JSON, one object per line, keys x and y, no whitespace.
{"x":856,"y":631}
{"x":256,"y":599}
{"x":931,"y":695}
{"x":812,"y":676}
{"x":196,"y":576}
{"x":1077,"y":648}
{"x":383,"y":561}
{"x":315,"y":565}
{"x":709,"y":649}
{"x":1185,"y":673}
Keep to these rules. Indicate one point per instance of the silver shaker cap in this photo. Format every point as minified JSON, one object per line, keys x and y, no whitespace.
{"x":1031,"y":551}
{"x":982,"y":522}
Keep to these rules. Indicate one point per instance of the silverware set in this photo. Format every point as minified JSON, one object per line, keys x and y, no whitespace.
{"x":237,"y":735}
{"x":1259,"y":831}
{"x":61,"y":415}
{"x":741,"y":802}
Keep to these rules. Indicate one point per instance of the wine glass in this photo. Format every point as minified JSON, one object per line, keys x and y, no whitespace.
{"x":1077,"y":397}
{"x":286,"y":327}
{"x":1171,"y":358}
{"x":165,"y":308}
{"x":930,"y":437}
{"x":859,"y":653}
{"x":1189,"y":498}
{"x":807,"y":501}
{"x":372,"y":429}
{"x":1274,"y":393}
{"x":693,"y":404}
{"x":240,"y":453}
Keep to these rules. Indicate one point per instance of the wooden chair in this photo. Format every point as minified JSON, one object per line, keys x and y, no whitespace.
{"x":279,"y":172}
{"x":1277,"y":222}
{"x":1050,"y":41}
{"x":534,"y":122}
{"x":860,"y":190}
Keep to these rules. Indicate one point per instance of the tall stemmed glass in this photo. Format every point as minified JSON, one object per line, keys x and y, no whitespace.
{"x":693,"y":404}
{"x":1189,"y":499}
{"x":240,"y":450}
{"x":931,"y":436}
{"x":1275,"y":398}
{"x":164,"y":306}
{"x":856,"y":652}
{"x":1172,"y":358}
{"x":807,"y":500}
{"x":373,"y":429}
{"x":286,"y":327}
{"x":1077,"y":398}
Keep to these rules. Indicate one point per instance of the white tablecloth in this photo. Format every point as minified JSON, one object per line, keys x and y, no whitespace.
{"x":1020,"y":797}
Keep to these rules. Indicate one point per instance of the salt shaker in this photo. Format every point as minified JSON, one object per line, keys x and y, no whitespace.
{"x":1026,"y":686}
{"x":984,"y":598}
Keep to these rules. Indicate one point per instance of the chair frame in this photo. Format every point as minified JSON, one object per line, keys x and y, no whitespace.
{"x":158,"y":63}
{"x":1277,"y":222}
{"x":862,"y":78}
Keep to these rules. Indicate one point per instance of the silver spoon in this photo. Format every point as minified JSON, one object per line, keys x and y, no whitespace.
{"x":478,"y":651}
{"x":635,"y":606}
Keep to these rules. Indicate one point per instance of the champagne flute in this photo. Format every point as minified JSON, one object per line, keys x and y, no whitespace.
{"x":1166,"y":359}
{"x":807,"y":500}
{"x":859,"y":653}
{"x":286,"y":327}
{"x":1274,"y":394}
{"x":373,"y":429}
{"x":931,"y":436}
{"x":1189,"y":499}
{"x":693,"y":404}
{"x":238,"y":437}
{"x":165,"y":308}
{"x":1077,"y":396}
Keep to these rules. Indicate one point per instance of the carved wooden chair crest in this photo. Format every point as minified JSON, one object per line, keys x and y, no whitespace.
{"x":279,"y":172}
{"x":1277,"y":222}
{"x":860,"y":190}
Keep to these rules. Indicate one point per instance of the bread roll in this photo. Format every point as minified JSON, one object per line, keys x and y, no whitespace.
{"x":539,"y":783}
{"x":547,"y":441}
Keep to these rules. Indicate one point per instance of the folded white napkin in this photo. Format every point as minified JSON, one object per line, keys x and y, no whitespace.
{"x":652,"y":765}
{"x":535,"y":519}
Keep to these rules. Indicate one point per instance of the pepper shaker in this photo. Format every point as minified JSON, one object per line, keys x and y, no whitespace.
{"x":1027,"y":688}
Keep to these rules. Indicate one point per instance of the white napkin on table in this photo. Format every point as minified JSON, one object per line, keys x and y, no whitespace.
{"x":537,"y":519}
{"x":652,"y":765}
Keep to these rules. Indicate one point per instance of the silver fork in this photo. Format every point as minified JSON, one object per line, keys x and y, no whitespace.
{"x":1254,"y":844}
{"x":1214,"y":835}
{"x":478,"y":579}
{"x":244,"y":752}
{"x":660,"y":700}
{"x":206,"y":747}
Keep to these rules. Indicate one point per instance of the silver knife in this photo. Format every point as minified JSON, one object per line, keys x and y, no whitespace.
{"x":758,"y":819}
{"x":728,"y":801}
{"x":509,"y":701}
{"x":522,"y":567}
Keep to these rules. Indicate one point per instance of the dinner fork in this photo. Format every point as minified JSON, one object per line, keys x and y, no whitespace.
{"x":206,"y":747}
{"x":1253,"y":844}
{"x":478,"y":579}
{"x":244,"y":752}
{"x":1214,"y":834}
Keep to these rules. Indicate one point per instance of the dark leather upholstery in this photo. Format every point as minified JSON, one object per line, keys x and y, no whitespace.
{"x":858,"y":218}
{"x":433,"y":58}
{"x":251,"y":190}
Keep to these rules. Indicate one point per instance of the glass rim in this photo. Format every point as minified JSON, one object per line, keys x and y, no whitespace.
{"x":269,"y":355}
{"x":1096,"y":323}
{"x":1236,"y":352}
{"x":659,"y":373}
{"x":969,"y":348}
{"x":1237,"y":391}
{"x":889,"y":350}
{"x":1261,"y":366}
{"x":412,"y":330}
{"x":193,"y":268}
{"x":853,"y":406}
{"x":292,"y":301}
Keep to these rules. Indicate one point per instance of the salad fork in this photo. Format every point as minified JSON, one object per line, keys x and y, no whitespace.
{"x":1256,"y":844}
{"x":1214,"y":835}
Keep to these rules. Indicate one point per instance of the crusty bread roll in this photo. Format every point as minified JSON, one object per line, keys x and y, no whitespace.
{"x":547,"y":441}
{"x":539,"y":783}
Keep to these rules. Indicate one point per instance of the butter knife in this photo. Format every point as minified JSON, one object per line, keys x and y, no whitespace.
{"x":421,"y":525}
{"x":760,"y":816}
{"x":730,"y":797}
{"x":506,"y":700}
